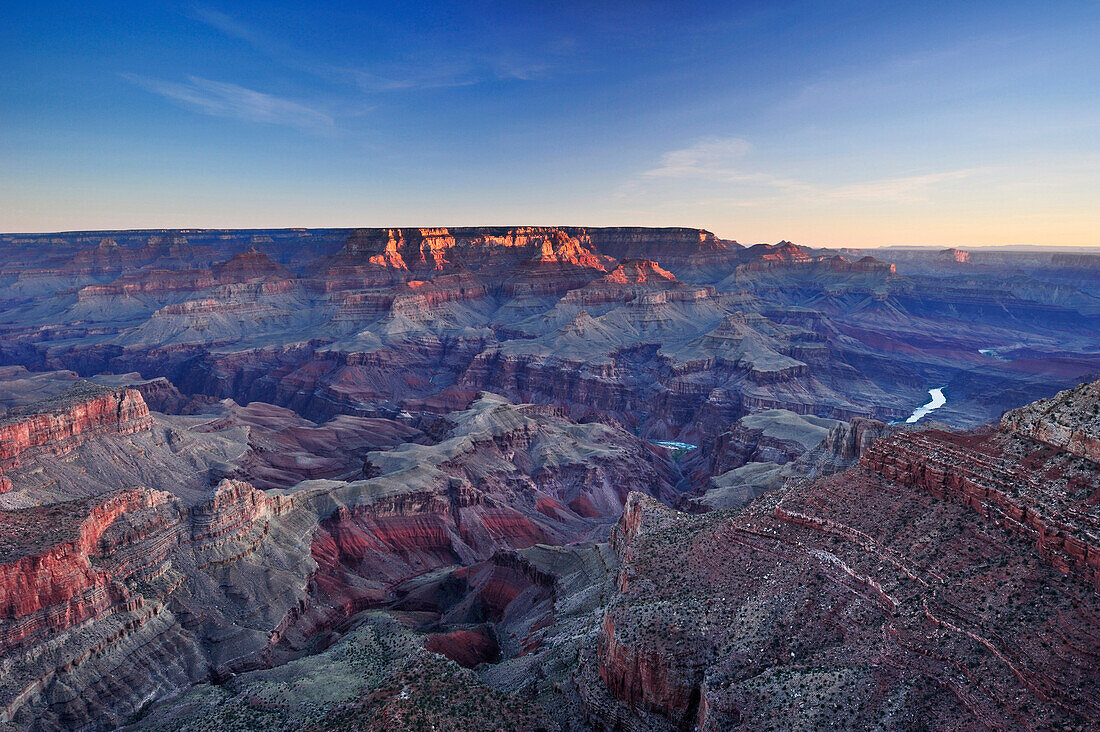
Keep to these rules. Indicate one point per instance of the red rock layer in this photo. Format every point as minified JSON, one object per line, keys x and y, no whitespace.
{"x":67,"y":565}
{"x":58,"y":586}
{"x":865,"y":598}
{"x":72,"y":419}
{"x":1029,"y":489}
{"x":435,"y":249}
{"x":466,"y":647}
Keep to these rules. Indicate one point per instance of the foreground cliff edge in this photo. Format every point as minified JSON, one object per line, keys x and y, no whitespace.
{"x":945,"y":575}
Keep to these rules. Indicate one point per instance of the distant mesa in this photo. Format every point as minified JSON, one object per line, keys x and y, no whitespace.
{"x":170,"y":240}
{"x":248,"y":265}
{"x":958,"y":256}
{"x":440,"y":248}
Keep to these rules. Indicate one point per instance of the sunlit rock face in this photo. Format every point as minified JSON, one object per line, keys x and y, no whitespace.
{"x":674,"y":332}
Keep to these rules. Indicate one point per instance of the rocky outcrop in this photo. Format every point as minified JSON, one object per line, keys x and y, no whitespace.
{"x":48,"y":587}
{"x":62,"y":423}
{"x":1036,"y":493}
{"x":672,"y":245}
{"x":442,"y":248}
{"x":956,"y":256}
{"x":1069,"y":421}
{"x":786,"y":255}
{"x":776,"y":436}
{"x":843,"y":446}
{"x":468,"y":647}
{"x":647,"y":674}
{"x":896,"y":572}
{"x":248,"y":266}
{"x":848,"y":441}
{"x":766,"y":256}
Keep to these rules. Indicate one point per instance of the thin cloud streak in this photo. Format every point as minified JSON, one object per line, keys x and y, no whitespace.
{"x":230,"y":26}
{"x":901,"y":189}
{"x":463,"y":71}
{"x":721,"y":161}
{"x":222,"y":99}
{"x":711,"y":158}
{"x":459,"y":70}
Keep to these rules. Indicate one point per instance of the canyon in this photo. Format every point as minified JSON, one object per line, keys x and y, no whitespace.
{"x":417,"y":478}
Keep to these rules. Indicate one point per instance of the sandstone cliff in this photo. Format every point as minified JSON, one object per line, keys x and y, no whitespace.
{"x":65,"y":421}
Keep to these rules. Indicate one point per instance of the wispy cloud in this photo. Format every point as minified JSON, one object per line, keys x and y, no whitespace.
{"x":403,"y":78}
{"x":717,"y":159}
{"x":904,"y":188}
{"x":710,"y":158}
{"x":458,"y":71}
{"x":222,"y":99}
{"x":434,"y":68}
{"x":721,"y":163}
{"x":230,"y":26}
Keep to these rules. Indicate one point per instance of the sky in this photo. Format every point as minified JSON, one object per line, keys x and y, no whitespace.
{"x":846,"y":123}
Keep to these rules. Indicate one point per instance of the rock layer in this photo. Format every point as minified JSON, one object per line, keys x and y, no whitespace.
{"x":63,"y":422}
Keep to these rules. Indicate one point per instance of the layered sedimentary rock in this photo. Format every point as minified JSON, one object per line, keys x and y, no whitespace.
{"x":156,"y":571}
{"x":759,"y":453}
{"x":1042,"y":494}
{"x":776,"y":436}
{"x":59,"y":424}
{"x":386,"y":463}
{"x":685,"y":332}
{"x":470,"y":247}
{"x":939,"y":579}
{"x":1068,"y":421}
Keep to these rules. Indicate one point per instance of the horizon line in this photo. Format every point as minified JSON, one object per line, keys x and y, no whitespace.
{"x":201,"y":229}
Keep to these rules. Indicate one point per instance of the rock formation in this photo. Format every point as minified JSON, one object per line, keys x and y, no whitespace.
{"x":338,"y":479}
{"x":61,"y":423}
{"x":915,"y":570}
{"x":685,"y":332}
{"x":154,"y":570}
{"x":1069,"y":421}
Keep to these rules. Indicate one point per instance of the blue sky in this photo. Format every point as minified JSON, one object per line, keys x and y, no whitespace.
{"x":842,"y":123}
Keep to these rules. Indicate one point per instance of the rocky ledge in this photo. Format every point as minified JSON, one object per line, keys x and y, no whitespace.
{"x":1070,"y":421}
{"x":59,"y":424}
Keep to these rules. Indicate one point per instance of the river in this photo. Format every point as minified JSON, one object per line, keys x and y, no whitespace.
{"x":938,"y":400}
{"x":674,"y":445}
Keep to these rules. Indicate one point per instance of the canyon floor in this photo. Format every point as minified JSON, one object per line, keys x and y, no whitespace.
{"x":544,"y":478}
